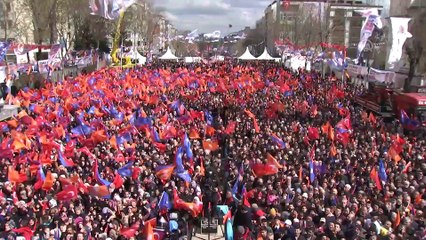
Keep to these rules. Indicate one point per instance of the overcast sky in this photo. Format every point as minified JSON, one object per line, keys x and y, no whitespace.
{"x":211,"y":15}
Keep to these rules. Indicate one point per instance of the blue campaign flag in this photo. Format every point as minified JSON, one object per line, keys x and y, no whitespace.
{"x":186,"y":142}
{"x":91,"y":81}
{"x":98,"y":176}
{"x":64,"y":162}
{"x":141,"y":121}
{"x":82,"y":129}
{"x":209,"y":117}
{"x":155,"y":135}
{"x":126,"y":170}
{"x":178,"y":160}
{"x":382,"y":171}
{"x":41,"y":173}
{"x":185,"y":176}
{"x":4,"y":128}
{"x":407,"y":122}
{"x":311,"y":171}
{"x":175,"y":105}
{"x":91,"y":110}
{"x":165,"y":202}
{"x":236,"y":185}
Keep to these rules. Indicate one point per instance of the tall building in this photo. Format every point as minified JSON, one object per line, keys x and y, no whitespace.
{"x":306,"y":23}
{"x":345,"y":23}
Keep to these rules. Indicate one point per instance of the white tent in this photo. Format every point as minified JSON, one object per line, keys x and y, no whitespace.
{"x":169,"y":56}
{"x":265,"y":56}
{"x":247,"y":55}
{"x":134,"y":54}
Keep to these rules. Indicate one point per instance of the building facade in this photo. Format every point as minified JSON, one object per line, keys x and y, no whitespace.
{"x":307,"y":23}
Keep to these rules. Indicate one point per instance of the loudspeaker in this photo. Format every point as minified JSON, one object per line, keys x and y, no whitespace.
{"x":3,"y":91}
{"x":13,"y":90}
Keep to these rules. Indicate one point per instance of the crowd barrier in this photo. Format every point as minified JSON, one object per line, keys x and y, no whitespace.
{"x":37,"y":79}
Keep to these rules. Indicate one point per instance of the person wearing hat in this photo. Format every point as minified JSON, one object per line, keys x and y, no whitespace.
{"x":243,"y":218}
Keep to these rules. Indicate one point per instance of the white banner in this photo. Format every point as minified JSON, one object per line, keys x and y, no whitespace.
{"x":54,"y":51}
{"x":381,"y":76}
{"x":356,"y":70}
{"x":3,"y":74}
{"x":372,"y":20}
{"x":399,"y":35}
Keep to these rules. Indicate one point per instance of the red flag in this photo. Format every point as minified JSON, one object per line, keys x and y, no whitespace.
{"x":193,"y":208}
{"x":149,"y":232}
{"x":210,"y":131}
{"x":249,"y":114}
{"x":231,"y":127}
{"x":397,"y":220}
{"x":164,"y":173}
{"x":193,"y":134}
{"x":226,"y":217}
{"x":256,"y":126}
{"x":67,"y":194}
{"x":48,"y":182}
{"x":130,"y":231}
{"x":273,"y":161}
{"x":26,"y":232}
{"x":372,"y":118}
{"x":313,"y":133}
{"x":374,"y":175}
{"x":261,"y":170}
{"x":210,"y":145}
{"x":15,"y":176}
{"x":161,"y":146}
{"x":118,"y":181}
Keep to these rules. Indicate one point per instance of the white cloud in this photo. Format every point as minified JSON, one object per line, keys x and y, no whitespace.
{"x":210,"y":15}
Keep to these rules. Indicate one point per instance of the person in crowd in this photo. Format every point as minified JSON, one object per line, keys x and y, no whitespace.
{"x":150,"y":151}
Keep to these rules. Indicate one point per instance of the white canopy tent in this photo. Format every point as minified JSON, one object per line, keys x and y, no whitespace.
{"x":265,"y":56}
{"x":247,"y":55}
{"x":169,"y":56}
{"x":134,"y":54}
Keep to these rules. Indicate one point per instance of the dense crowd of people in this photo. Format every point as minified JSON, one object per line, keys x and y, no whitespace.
{"x":147,"y":153}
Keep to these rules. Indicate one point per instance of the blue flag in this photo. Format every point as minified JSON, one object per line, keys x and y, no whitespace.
{"x":126,"y":170}
{"x":165,"y":202}
{"x":382,"y":171}
{"x":209,"y":117}
{"x":311,"y":171}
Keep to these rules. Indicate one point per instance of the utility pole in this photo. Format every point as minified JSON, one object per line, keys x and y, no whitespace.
{"x":6,"y":29}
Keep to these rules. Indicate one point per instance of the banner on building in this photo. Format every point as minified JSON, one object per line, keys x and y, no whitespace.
{"x":372,"y":21}
{"x":54,"y":53}
{"x":355,"y":70}
{"x":381,"y":76}
{"x":399,"y":35}
{"x":109,"y":9}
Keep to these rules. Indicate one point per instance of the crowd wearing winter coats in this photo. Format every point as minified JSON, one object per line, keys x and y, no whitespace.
{"x":150,"y":152}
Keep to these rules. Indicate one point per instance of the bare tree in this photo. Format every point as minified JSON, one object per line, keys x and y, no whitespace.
{"x":44,"y":19}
